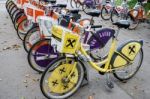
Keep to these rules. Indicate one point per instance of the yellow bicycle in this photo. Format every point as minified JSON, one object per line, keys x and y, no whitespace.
{"x":64,"y":76}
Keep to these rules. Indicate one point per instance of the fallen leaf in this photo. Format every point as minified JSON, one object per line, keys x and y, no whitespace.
{"x":6,"y":48}
{"x":22,"y":97}
{"x":90,"y":97}
{"x":27,"y":75}
{"x":25,"y":81}
{"x":16,"y":46}
{"x":34,"y":79}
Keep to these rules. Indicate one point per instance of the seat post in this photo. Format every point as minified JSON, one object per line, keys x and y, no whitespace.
{"x":92,"y":21}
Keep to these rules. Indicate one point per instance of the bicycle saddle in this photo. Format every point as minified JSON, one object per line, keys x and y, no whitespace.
{"x":74,"y":11}
{"x":49,"y":1}
{"x":94,"y":13}
{"x":122,"y":24}
{"x":60,"y":5}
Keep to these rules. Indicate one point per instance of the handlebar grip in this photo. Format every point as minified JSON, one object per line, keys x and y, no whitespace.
{"x":96,"y":26}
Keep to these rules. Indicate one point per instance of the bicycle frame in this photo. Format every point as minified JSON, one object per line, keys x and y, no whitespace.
{"x":107,"y":61}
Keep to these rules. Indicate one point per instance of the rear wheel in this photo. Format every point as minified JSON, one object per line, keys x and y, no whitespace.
{"x":105,"y":14}
{"x":128,"y":72}
{"x":60,"y":80}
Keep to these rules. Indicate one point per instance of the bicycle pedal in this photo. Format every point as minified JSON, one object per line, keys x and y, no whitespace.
{"x":110,"y":84}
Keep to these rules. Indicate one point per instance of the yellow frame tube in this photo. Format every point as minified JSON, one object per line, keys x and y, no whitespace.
{"x":106,"y":61}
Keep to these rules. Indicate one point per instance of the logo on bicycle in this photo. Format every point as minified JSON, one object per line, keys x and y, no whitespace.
{"x":132,"y":49}
{"x":29,"y":11}
{"x":70,"y":43}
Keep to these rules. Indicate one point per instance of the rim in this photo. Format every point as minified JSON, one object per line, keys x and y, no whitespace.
{"x":24,"y":27}
{"x":31,"y":39}
{"x":42,"y":54}
{"x":106,"y":14}
{"x":58,"y":74}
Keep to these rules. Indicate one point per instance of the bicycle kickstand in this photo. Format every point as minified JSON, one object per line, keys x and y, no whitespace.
{"x":109,"y":82}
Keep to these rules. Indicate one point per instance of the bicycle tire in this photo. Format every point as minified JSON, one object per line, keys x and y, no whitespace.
{"x":12,"y":10}
{"x":103,"y":16}
{"x":14,"y":14}
{"x":7,"y":2}
{"x":134,"y":72}
{"x":135,"y":22}
{"x":37,"y":55}
{"x":114,"y":12}
{"x":22,"y":33}
{"x":84,"y":7}
{"x":26,"y":44}
{"x":71,"y":3}
{"x":8,"y":5}
{"x":78,"y":4}
{"x":52,"y":68}
{"x":17,"y":17}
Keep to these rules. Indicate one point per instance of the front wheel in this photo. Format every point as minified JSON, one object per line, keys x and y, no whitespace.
{"x":41,"y":54}
{"x":62,"y":78}
{"x":129,"y":71}
{"x":115,"y":16}
{"x":23,"y":28}
{"x":73,"y":3}
{"x":32,"y":36}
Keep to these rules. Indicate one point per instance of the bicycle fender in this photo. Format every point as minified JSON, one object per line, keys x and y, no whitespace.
{"x":126,"y":53}
{"x":21,"y":19}
{"x":132,"y":14}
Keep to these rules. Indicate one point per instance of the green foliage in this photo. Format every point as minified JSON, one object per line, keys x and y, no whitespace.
{"x":131,"y":4}
{"x":147,"y":6}
{"x":118,"y":2}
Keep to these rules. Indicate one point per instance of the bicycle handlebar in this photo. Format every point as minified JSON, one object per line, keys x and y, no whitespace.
{"x":96,"y":26}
